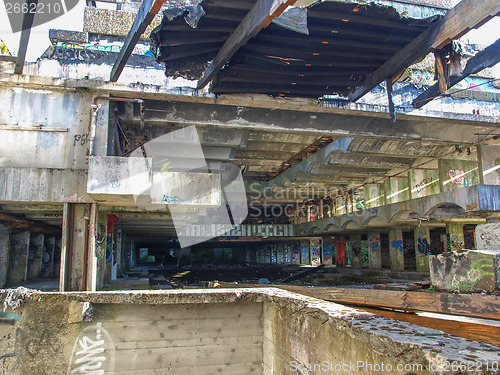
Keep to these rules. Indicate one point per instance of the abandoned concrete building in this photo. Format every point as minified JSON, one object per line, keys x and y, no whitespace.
{"x":345,"y":151}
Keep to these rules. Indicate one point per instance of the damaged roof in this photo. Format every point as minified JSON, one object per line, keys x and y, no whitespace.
{"x":325,"y":48}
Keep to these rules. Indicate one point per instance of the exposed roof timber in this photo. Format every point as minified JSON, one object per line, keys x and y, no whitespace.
{"x":467,"y":15}
{"x":146,"y":13}
{"x":25,"y":36}
{"x":487,"y":58}
{"x":263,"y":12}
{"x":37,"y":227}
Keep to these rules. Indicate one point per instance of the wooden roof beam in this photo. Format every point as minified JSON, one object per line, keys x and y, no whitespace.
{"x":146,"y":13}
{"x":487,"y":58}
{"x":468,"y":14}
{"x":259,"y":17}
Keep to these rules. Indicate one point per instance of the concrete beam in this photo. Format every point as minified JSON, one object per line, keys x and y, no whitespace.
{"x":25,"y":35}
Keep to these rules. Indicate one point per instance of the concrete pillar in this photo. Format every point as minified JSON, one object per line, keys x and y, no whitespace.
{"x":375,"y":252}
{"x":396,"y":249}
{"x":98,"y":242}
{"x":305,"y":252}
{"x":56,"y":268}
{"x":119,"y":252}
{"x":422,"y":248}
{"x":4,"y":254}
{"x":49,"y":246}
{"x":35,"y":256}
{"x":281,"y":252}
{"x":327,"y":251}
{"x":108,"y":275}
{"x":356,"y":256}
{"x":18,"y":257}
{"x":315,"y":244}
{"x":455,"y":235}
{"x":340,"y":250}
{"x":74,"y":247}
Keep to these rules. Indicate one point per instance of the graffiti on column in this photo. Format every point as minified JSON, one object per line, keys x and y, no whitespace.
{"x":316,"y":252}
{"x":460,"y":177}
{"x":398,"y":245}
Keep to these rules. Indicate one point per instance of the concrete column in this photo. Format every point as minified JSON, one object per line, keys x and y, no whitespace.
{"x":340,"y":250}
{"x":281,"y":252}
{"x":49,"y":246}
{"x":375,"y":252}
{"x":98,"y":248}
{"x":327,"y":251}
{"x":396,"y":249}
{"x":305,"y":252}
{"x":455,"y":235}
{"x":356,"y":257}
{"x":18,"y":257}
{"x":108,"y":274}
{"x":4,"y":254}
{"x":119,"y":252}
{"x":35,"y":256}
{"x":422,"y":248}
{"x":74,"y":247}
{"x":56,"y":269}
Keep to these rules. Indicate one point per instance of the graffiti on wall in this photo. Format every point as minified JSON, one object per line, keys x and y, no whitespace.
{"x":460,"y":177}
{"x":93,"y":352}
{"x":398,"y":245}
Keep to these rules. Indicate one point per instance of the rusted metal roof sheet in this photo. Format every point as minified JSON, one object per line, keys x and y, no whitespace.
{"x":330,"y":51}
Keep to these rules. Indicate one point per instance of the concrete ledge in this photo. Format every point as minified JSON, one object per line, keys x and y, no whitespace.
{"x":262,"y":331}
{"x":466,"y":271}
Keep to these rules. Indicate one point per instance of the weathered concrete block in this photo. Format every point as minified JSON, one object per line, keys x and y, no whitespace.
{"x":466,"y":270}
{"x":186,"y":188}
{"x":119,"y":176}
{"x":488,"y":236}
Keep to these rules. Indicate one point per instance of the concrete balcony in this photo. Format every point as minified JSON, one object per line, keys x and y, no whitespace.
{"x":114,"y":180}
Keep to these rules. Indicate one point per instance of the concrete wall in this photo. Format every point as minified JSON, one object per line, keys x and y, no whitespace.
{"x":234,"y":331}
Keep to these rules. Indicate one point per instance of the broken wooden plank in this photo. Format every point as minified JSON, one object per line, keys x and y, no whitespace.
{"x":487,"y":58}
{"x":474,"y":305}
{"x":259,"y":17}
{"x":146,"y":13}
{"x":469,"y":330}
{"x":467,"y":15}
{"x":25,"y":35}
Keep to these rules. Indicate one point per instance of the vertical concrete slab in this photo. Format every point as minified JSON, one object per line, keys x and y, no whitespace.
{"x":295,"y":252}
{"x":267,"y":254}
{"x":422,"y":248}
{"x":56,"y":269}
{"x":455,"y":236}
{"x":274,"y":253}
{"x":374,"y":250}
{"x":305,"y":250}
{"x":49,"y":244}
{"x":4,"y":254}
{"x":35,"y":256}
{"x":356,"y":256}
{"x":365,"y":254}
{"x":288,"y":253}
{"x":348,"y":254}
{"x":396,"y":249}
{"x":281,"y":252}
{"x":108,"y":276}
{"x":119,"y":252}
{"x":315,"y":251}
{"x":327,"y":251}
{"x":340,"y":250}
{"x":18,"y":257}
{"x":74,"y":250}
